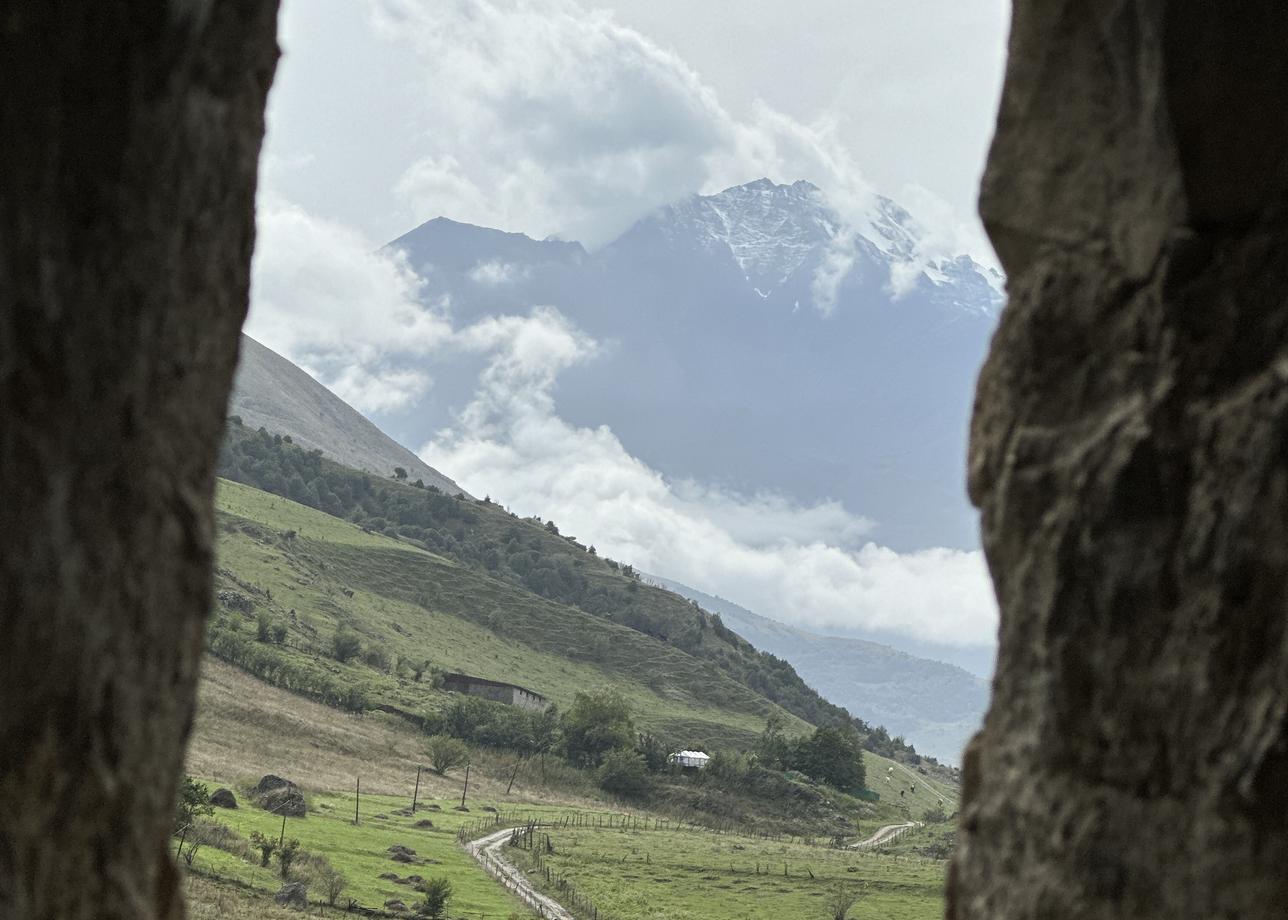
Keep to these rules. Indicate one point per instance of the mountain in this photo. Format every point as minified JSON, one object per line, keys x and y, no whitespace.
{"x":933,"y":705}
{"x":754,"y":340}
{"x":272,"y":393}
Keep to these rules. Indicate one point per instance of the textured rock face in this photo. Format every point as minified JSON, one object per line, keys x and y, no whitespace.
{"x":1129,"y":452}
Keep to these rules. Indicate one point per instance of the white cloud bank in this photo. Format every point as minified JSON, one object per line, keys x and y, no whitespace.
{"x":804,"y":565}
{"x":552,"y":118}
{"x":322,"y":296}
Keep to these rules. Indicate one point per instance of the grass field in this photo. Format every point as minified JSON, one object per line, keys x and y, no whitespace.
{"x":693,"y":875}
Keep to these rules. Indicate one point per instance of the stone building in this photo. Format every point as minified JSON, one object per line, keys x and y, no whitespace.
{"x":495,"y":690}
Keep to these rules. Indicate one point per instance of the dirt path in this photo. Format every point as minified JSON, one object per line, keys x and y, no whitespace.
{"x":487,"y":851}
{"x":883,"y":835}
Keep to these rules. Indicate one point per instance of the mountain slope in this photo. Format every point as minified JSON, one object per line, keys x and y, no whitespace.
{"x":755,"y":310}
{"x":935,"y":706}
{"x":272,"y":393}
{"x":517,"y":577}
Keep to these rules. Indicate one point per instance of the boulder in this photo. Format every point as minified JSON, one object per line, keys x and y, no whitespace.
{"x":388,"y":876}
{"x":293,"y":894}
{"x":268,"y":782}
{"x":398,"y":848}
{"x":393,"y":905}
{"x":231,"y":600}
{"x":287,"y":800}
{"x":423,"y":822}
{"x":223,"y":798}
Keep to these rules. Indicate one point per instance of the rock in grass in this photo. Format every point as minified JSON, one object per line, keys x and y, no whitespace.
{"x":395,"y":906}
{"x":268,"y":782}
{"x":286,"y":800}
{"x":293,"y":894}
{"x":223,"y":798}
{"x":399,"y":848}
{"x":423,"y":822}
{"x":388,"y":876}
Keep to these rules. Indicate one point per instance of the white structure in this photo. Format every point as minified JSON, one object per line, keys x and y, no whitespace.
{"x":695,"y":759}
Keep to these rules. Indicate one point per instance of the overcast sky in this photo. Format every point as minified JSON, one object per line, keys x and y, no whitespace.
{"x":575,"y":119}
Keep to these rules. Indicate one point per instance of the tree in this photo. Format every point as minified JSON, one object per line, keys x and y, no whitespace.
{"x":773,"y":748}
{"x":127,"y":190}
{"x":624,"y":773}
{"x":193,"y":802}
{"x":833,"y":756}
{"x":345,"y":644}
{"x":437,"y":891}
{"x":400,"y":474}
{"x":447,"y":753}
{"x":596,"y":723}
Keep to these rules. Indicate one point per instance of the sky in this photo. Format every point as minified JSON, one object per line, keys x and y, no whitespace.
{"x":574,"y":119}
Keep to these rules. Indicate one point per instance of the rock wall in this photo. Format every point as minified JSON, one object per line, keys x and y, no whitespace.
{"x":1129,"y":452}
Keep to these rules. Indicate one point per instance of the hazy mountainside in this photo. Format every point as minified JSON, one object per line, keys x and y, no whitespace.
{"x":518,"y":578}
{"x":933,"y":705}
{"x":270,"y":392}
{"x":751,"y":311}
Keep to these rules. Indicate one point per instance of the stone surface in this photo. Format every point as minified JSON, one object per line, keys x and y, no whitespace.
{"x":293,"y":894}
{"x":1129,"y":453}
{"x":223,"y":798}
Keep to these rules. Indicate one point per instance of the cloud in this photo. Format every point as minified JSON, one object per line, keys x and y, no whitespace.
{"x":576,"y":125}
{"x":324,"y":297}
{"x":804,"y":564}
{"x":494,"y":273}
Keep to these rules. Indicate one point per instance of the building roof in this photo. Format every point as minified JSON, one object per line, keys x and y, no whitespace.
{"x":469,"y":678}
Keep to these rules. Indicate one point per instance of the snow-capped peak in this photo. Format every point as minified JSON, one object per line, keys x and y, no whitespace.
{"x":770,"y":229}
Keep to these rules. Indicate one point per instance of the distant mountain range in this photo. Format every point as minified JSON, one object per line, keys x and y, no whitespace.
{"x":272,"y":393}
{"x":752,"y":341}
{"x":933,"y":705}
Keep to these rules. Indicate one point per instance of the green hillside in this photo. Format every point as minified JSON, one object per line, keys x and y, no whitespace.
{"x":406,"y":604}
{"x":509,"y":597}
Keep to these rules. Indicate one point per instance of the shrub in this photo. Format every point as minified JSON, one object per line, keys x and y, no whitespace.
{"x":447,"y":753}
{"x":286,"y":856}
{"x":266,"y":846}
{"x":840,"y":900}
{"x":624,"y":773}
{"x":437,"y":891}
{"x":345,"y":644}
{"x":322,"y":876}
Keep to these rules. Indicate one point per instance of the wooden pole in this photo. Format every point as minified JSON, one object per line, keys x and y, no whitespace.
{"x":416,"y":794}
{"x":467,"y":785}
{"x":357,"y":797}
{"x":282,"y":836}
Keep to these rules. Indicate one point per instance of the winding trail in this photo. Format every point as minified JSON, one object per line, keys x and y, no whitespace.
{"x":487,"y":851}
{"x":884,"y":835}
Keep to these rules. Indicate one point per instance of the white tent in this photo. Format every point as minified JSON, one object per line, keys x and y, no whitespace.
{"x":689,"y":759}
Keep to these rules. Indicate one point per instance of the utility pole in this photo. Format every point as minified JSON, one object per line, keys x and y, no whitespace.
{"x":467,"y":785}
{"x":416,"y":794}
{"x":357,"y":797}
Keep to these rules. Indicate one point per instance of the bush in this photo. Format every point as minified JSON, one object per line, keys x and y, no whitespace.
{"x":447,"y":753}
{"x":437,"y":891}
{"x":286,"y":855}
{"x":267,"y":846}
{"x":345,"y":644}
{"x":624,"y":773}
{"x":321,"y":876}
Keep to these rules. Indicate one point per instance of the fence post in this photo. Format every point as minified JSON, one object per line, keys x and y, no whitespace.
{"x":357,"y":797}
{"x":416,"y":794}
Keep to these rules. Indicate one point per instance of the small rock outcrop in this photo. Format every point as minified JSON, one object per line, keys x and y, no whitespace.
{"x":280,"y":796}
{"x":293,"y":894}
{"x":223,"y":798}
{"x":393,"y":905}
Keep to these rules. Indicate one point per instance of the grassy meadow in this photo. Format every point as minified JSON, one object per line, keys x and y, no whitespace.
{"x":696,"y":875}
